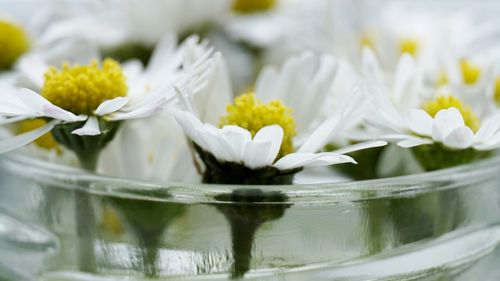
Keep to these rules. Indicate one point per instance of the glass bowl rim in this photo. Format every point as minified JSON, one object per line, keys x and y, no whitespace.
{"x":347,"y":191}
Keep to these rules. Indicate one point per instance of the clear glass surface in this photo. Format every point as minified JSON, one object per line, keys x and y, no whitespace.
{"x":435,"y":226}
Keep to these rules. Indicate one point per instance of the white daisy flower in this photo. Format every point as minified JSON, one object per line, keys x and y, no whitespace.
{"x":115,"y":22}
{"x":449,"y":128}
{"x":149,"y":149}
{"x":443,"y":132}
{"x":256,"y":135}
{"x":22,"y":36}
{"x":263,"y":23}
{"x":403,"y":87}
{"x":88,"y":98}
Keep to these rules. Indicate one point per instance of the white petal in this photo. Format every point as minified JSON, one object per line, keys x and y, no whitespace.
{"x":395,"y":137}
{"x":132,"y":69}
{"x":359,"y":146}
{"x":110,"y":106}
{"x":320,"y":136}
{"x":164,"y":55}
{"x":413,"y":141}
{"x":492,"y":143}
{"x":91,"y":128}
{"x":257,"y":154}
{"x":237,"y":138}
{"x":4,"y":121}
{"x":218,"y":145}
{"x":39,"y":104}
{"x":404,"y":73}
{"x":419,"y":121}
{"x":371,"y":65}
{"x":18,"y":141}
{"x":445,"y":121}
{"x":191,"y":126}
{"x":489,"y":127}
{"x":33,"y":68}
{"x":144,"y":111}
{"x":461,"y":137}
{"x":273,"y":134}
{"x":297,"y":160}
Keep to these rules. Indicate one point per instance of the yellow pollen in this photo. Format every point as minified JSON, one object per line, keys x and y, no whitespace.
{"x":13,"y":43}
{"x":46,"y":141}
{"x":408,"y":46}
{"x":470,"y":72}
{"x":253,"y":6}
{"x":497,"y":91}
{"x":81,"y":89}
{"x":252,"y":114}
{"x":366,"y":40}
{"x":442,"y":79}
{"x":445,"y":102}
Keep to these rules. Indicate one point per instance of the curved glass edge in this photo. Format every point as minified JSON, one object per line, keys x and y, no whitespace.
{"x":60,"y":176}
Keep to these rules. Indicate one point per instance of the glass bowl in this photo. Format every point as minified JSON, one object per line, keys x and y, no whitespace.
{"x":61,"y":223}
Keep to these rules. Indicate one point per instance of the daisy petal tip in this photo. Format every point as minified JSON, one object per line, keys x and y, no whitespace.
{"x":84,"y":132}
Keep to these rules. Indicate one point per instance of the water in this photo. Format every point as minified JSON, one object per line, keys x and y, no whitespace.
{"x":446,"y":227}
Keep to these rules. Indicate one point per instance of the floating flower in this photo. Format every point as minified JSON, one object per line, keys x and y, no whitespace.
{"x":91,"y":100}
{"x":448,"y":122}
{"x":255,"y":139}
{"x":445,"y":132}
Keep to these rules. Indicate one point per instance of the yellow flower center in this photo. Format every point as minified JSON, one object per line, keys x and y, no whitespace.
{"x":470,"y":72}
{"x":81,"y":89}
{"x":13,"y":43}
{"x":46,"y":141}
{"x":497,"y":90}
{"x":253,"y":6}
{"x":445,"y":102}
{"x":252,"y":114}
{"x":408,"y":46}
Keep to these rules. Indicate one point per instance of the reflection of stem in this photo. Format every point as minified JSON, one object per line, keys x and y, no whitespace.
{"x":449,"y":212}
{"x":376,"y":214}
{"x":243,"y":232}
{"x":148,"y":221}
{"x":245,"y":218}
{"x":149,"y":252}
{"x":414,"y":217}
{"x":85,"y":220}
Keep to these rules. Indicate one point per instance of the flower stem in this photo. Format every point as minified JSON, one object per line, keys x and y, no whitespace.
{"x":87,"y":149}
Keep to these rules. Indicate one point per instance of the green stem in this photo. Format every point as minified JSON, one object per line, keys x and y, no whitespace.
{"x":85,"y":218}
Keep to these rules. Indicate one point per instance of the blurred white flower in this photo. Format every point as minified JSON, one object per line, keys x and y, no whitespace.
{"x":113,"y":22}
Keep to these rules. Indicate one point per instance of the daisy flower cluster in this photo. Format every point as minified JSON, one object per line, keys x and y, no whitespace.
{"x":248,"y":92}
